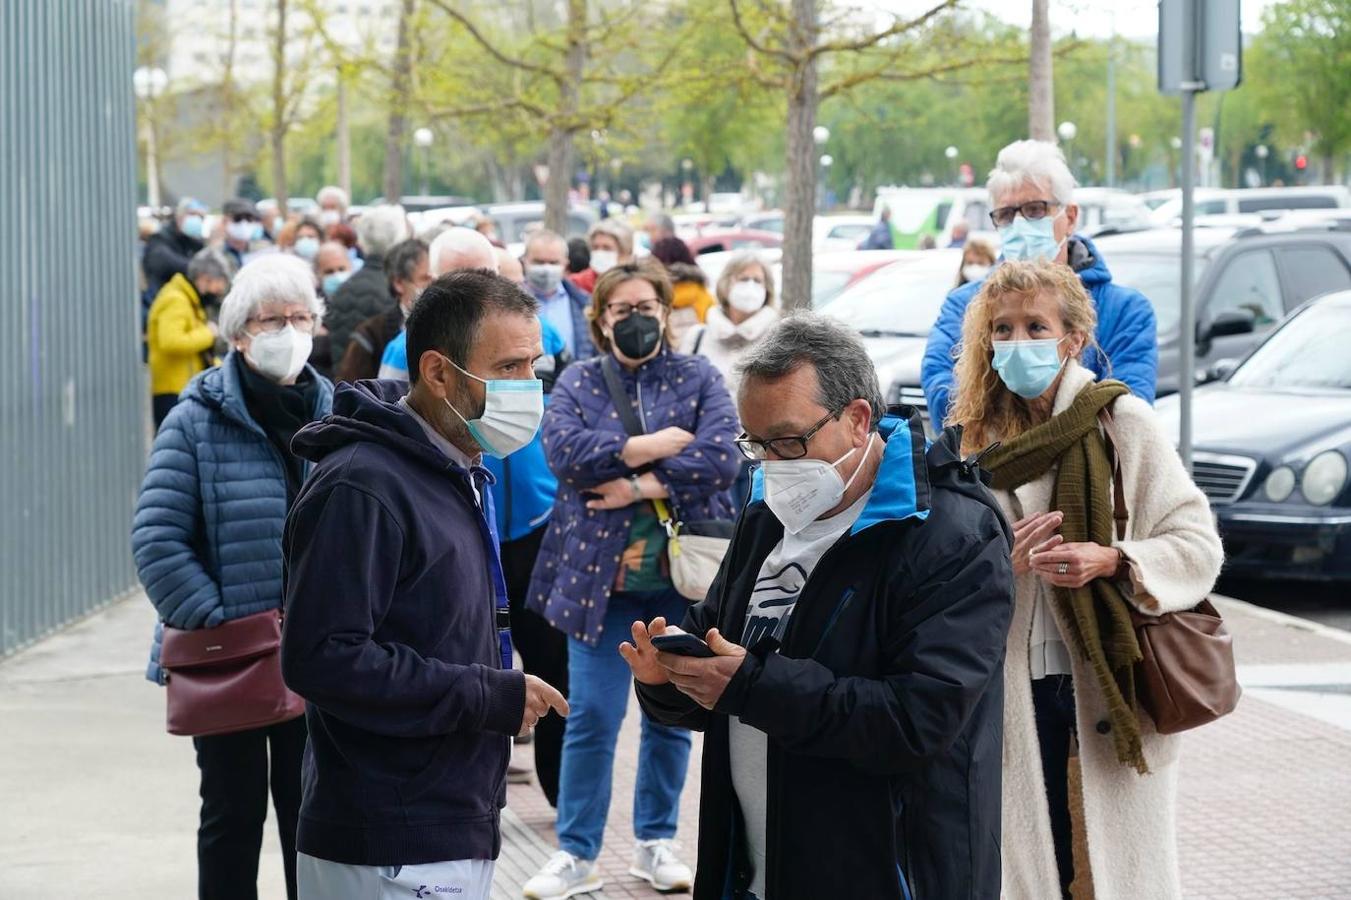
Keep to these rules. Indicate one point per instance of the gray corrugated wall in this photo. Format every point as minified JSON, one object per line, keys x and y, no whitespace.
{"x":71,"y":384}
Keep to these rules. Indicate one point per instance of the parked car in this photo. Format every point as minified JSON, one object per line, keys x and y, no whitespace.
{"x":737,"y":239}
{"x":840,"y":231}
{"x":416,"y":203}
{"x":1246,"y":282}
{"x":894,"y":309}
{"x":1108,"y":211}
{"x":512,"y":220}
{"x":1273,"y":440}
{"x":1211,"y":201}
{"x":442,"y":215}
{"x":713,"y":263}
{"x":835,"y":272}
{"x":767,"y":220}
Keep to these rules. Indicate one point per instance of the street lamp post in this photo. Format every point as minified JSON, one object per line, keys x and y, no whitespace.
{"x":826,"y":162}
{"x":821,"y":135}
{"x":423,"y":137}
{"x":149,"y":84}
{"x":951,"y":154}
{"x":1261,"y":151}
{"x":1068,"y":131}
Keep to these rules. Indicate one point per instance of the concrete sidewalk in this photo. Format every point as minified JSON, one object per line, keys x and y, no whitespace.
{"x":99,"y":801}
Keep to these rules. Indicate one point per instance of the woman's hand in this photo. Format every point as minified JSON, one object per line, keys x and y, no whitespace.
{"x":648,"y":448}
{"x":619,"y":492}
{"x":1034,"y":533}
{"x":1074,"y":565}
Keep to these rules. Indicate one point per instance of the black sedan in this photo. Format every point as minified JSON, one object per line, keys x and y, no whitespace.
{"x":1272,"y":443}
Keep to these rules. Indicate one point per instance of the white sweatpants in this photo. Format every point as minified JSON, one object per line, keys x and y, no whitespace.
{"x":461,"y":879}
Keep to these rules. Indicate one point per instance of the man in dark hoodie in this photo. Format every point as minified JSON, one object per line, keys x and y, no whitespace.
{"x":396,"y":611}
{"x":853,"y":700}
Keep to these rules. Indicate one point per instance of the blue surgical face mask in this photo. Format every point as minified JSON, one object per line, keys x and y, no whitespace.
{"x":512,"y":410}
{"x":1028,"y":368}
{"x":333,"y":281}
{"x":307,"y":247}
{"x":192,"y":226}
{"x":1030,"y":238}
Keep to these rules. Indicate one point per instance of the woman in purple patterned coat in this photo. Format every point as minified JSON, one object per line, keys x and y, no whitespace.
{"x":603,"y":563}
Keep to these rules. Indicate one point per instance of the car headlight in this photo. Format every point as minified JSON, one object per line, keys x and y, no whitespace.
{"x":1280,"y":484}
{"x":1324,"y":478}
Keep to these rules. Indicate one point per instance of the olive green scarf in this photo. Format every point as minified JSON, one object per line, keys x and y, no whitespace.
{"x":1096,"y":615}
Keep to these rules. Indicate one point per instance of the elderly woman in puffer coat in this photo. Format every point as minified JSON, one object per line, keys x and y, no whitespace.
{"x":1067,"y":673}
{"x":207,"y":542}
{"x":603,"y":562}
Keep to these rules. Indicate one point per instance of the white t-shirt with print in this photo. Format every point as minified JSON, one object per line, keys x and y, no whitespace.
{"x":773,"y":598}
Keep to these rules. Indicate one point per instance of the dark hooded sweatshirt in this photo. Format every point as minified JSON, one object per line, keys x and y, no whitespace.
{"x":392,"y":590}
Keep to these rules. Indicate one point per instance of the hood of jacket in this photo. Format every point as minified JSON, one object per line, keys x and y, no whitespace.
{"x":222,"y":388}
{"x":369,"y":411}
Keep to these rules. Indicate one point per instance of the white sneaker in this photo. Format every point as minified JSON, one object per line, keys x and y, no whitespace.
{"x":657,"y":863}
{"x":563,"y":876}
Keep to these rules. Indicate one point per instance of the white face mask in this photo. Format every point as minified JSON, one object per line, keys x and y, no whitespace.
{"x":241,"y":232}
{"x":280,"y":356}
{"x":511,"y":412}
{"x":800,"y":491}
{"x":603,"y":261}
{"x":746,"y":296}
{"x":329,"y":217}
{"x":974,"y":271}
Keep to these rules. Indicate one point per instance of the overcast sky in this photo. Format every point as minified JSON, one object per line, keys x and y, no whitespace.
{"x":1134,"y":18}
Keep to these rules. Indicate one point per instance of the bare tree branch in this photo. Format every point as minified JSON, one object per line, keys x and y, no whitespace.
{"x":754,"y":44}
{"x":900,"y":26}
{"x":491,"y":49}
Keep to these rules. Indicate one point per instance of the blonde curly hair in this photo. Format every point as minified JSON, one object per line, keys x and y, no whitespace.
{"x":986,"y":409}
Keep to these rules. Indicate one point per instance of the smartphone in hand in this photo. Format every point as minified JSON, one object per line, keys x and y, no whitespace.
{"x":682,"y":645}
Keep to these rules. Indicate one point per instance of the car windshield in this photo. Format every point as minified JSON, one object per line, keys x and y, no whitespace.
{"x":1308,"y":352}
{"x":826,"y":286}
{"x":900,"y":299}
{"x":1158,"y":276}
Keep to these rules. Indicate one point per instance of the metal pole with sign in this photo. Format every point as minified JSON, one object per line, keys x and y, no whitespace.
{"x":1200,"y":49}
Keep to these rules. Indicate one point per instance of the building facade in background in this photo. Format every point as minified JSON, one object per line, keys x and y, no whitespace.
{"x":72,"y":398}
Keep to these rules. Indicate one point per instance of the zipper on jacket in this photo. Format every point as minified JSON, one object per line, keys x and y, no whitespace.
{"x":845,"y":600}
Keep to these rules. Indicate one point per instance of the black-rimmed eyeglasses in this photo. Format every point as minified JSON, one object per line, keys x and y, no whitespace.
{"x":791,"y":447}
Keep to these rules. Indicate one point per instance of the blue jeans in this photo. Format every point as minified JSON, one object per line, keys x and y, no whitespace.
{"x":600,"y":685}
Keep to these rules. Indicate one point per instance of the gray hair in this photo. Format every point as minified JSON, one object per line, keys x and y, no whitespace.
{"x":662,"y":221}
{"x":1038,"y":162}
{"x":738,"y":264}
{"x":332,"y":192}
{"x":615,"y":229}
{"x":381,"y":227}
{"x":209,"y":262}
{"x":844,"y":372}
{"x":545,"y":236}
{"x":460,"y":248}
{"x":274,"y":278}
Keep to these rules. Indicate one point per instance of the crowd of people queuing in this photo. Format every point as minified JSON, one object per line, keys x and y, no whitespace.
{"x":387,"y":466}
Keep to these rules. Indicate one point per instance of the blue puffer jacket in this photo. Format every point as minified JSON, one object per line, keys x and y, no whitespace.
{"x":208,"y":525}
{"x":1126,"y":332}
{"x":583,"y":437}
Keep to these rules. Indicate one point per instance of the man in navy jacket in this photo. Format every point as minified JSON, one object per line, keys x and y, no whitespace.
{"x":396,"y":613}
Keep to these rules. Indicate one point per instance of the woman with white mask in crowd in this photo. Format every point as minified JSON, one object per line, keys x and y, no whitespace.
{"x":747,"y":308}
{"x":207,"y":539}
{"x":611,"y":244}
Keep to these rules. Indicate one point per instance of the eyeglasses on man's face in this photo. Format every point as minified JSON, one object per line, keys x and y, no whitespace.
{"x":1031,"y":210}
{"x":788,"y":447}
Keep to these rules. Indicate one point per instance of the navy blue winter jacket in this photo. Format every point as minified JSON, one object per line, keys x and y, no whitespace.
{"x":1126,"y":332}
{"x":208,"y":526}
{"x":393,"y":592}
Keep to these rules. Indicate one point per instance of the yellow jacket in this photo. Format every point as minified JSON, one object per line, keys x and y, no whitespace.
{"x":177,"y":337}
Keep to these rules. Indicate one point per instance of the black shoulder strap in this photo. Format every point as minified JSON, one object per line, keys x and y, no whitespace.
{"x":699,"y":340}
{"x":619,"y":397}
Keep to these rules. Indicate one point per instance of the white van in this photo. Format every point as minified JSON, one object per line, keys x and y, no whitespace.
{"x":1219,"y":202}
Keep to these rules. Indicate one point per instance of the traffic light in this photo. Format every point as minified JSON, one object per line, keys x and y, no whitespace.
{"x":1301,"y":162}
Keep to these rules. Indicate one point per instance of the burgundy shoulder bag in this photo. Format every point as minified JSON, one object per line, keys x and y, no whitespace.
{"x":227,"y":678}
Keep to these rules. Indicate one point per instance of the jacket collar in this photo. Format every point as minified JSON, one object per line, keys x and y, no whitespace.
{"x":901,"y":488}
{"x":721,"y":328}
{"x":222,"y":387}
{"x":1075,"y":379}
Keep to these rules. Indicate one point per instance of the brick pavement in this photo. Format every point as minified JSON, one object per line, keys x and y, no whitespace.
{"x":1264,"y":805}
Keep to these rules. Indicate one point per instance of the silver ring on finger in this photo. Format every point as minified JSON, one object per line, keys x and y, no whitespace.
{"x":1063,"y":569}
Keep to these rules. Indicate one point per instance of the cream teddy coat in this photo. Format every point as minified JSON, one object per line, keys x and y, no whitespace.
{"x":1175,"y":557}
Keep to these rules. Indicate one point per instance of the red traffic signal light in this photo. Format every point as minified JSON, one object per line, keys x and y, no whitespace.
{"x":1301,"y":162}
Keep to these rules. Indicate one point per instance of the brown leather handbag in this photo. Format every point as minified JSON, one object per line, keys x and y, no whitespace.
{"x":1186,"y":676}
{"x":228,"y":678}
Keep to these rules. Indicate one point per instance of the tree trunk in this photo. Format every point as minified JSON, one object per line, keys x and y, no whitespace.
{"x":561,"y":151}
{"x":800,"y":193}
{"x":278,"y":131}
{"x":1040,"y":86}
{"x":398,"y":108}
{"x":344,"y":137}
{"x":227,"y":84}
